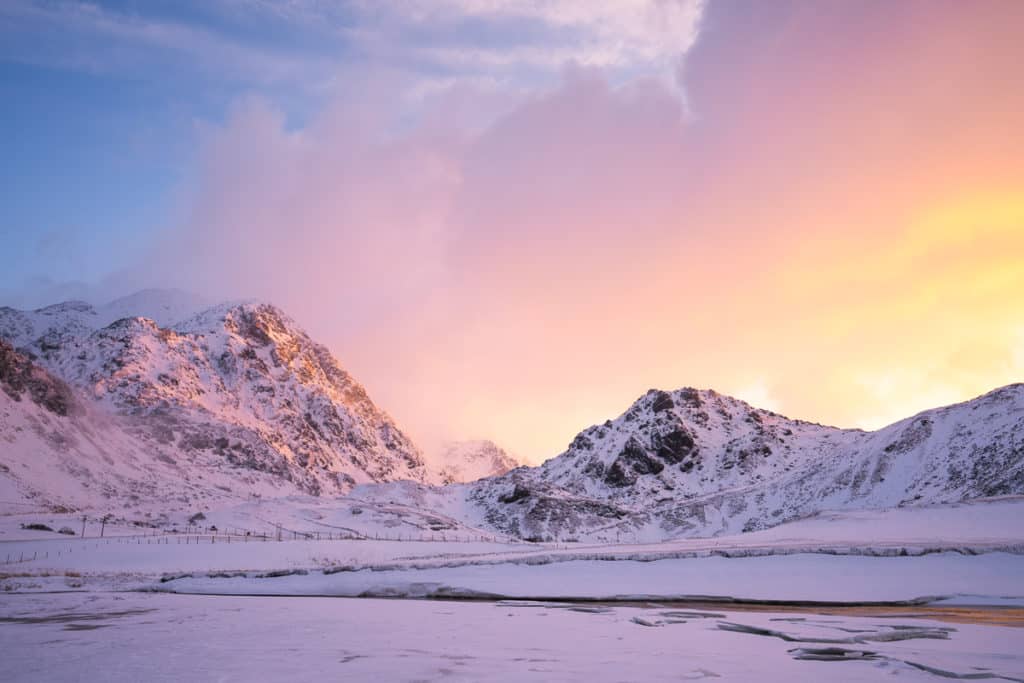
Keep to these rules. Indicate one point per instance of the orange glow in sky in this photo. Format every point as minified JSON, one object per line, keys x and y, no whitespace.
{"x":826,"y":219}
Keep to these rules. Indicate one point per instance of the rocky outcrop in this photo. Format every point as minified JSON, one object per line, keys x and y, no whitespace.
{"x":20,"y":376}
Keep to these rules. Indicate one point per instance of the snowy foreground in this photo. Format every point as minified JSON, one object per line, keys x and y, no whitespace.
{"x":155,"y":637}
{"x":923,"y":593}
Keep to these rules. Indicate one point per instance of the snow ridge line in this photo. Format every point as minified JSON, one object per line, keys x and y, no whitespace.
{"x":543,"y":559}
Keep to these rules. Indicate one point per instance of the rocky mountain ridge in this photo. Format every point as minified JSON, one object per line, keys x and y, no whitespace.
{"x":239,"y":384}
{"x":694,"y":462}
{"x":235,"y":401}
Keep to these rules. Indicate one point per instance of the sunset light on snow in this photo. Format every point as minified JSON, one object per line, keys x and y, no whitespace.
{"x":823,"y":201}
{"x":608,"y":340}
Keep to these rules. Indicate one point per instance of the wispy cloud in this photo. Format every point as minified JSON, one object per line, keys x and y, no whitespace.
{"x":472,"y":223}
{"x":588,"y":242}
{"x":515,"y":41}
{"x":90,"y":37}
{"x":620,"y":33}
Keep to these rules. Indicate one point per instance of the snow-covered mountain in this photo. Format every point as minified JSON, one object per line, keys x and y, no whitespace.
{"x":238,"y":388}
{"x":197,"y":405}
{"x":39,"y":329}
{"x":693,"y":462}
{"x":61,"y":451}
{"x":465,"y":461}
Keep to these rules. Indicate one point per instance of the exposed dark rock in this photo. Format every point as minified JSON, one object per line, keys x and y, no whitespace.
{"x":18,"y":374}
{"x":581,"y":443}
{"x":662,"y":401}
{"x":633,"y":460}
{"x":252,"y":325}
{"x":674,"y":446}
{"x":282,"y":572}
{"x":915,"y":433}
{"x":518,"y":493}
{"x":691,"y":396}
{"x":619,"y":476}
{"x":832,"y":654}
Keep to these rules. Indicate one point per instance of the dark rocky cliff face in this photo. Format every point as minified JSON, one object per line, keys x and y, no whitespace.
{"x":20,"y":376}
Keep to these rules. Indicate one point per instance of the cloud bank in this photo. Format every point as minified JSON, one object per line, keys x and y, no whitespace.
{"x":527,"y":230}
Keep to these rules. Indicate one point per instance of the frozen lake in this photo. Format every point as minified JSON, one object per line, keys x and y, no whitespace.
{"x":264,"y":611}
{"x":161,"y":637}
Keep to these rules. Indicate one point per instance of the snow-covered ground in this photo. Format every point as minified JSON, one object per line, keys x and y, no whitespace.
{"x":154,"y":637}
{"x":895,"y":555}
{"x":789,"y":578}
{"x":992,"y":522}
{"x":207,"y":612}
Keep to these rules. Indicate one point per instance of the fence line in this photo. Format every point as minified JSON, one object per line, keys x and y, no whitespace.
{"x":240,"y":535}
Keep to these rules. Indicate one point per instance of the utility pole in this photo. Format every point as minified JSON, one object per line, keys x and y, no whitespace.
{"x":83,"y":526}
{"x":103,"y":524}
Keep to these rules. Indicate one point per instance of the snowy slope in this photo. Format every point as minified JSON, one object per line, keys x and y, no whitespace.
{"x":464,"y":461}
{"x":692,"y":463}
{"x":236,"y":387}
{"x":60,"y":451}
{"x":38,"y":330}
{"x":246,"y":381}
{"x":199,"y":406}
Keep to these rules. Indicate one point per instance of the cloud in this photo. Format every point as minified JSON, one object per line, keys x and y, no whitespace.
{"x":403,"y":246}
{"x":314,"y":46}
{"x":622,"y":33}
{"x":90,"y":37}
{"x":516,"y":252}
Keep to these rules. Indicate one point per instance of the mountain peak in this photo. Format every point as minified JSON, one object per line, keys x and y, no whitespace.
{"x":241,"y":380}
{"x":690,"y":461}
{"x":165,"y":306}
{"x":73,"y":306}
{"x":470,"y":460}
{"x":212,"y":318}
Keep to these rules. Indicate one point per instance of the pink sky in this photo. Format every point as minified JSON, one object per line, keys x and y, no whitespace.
{"x":827,"y":219}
